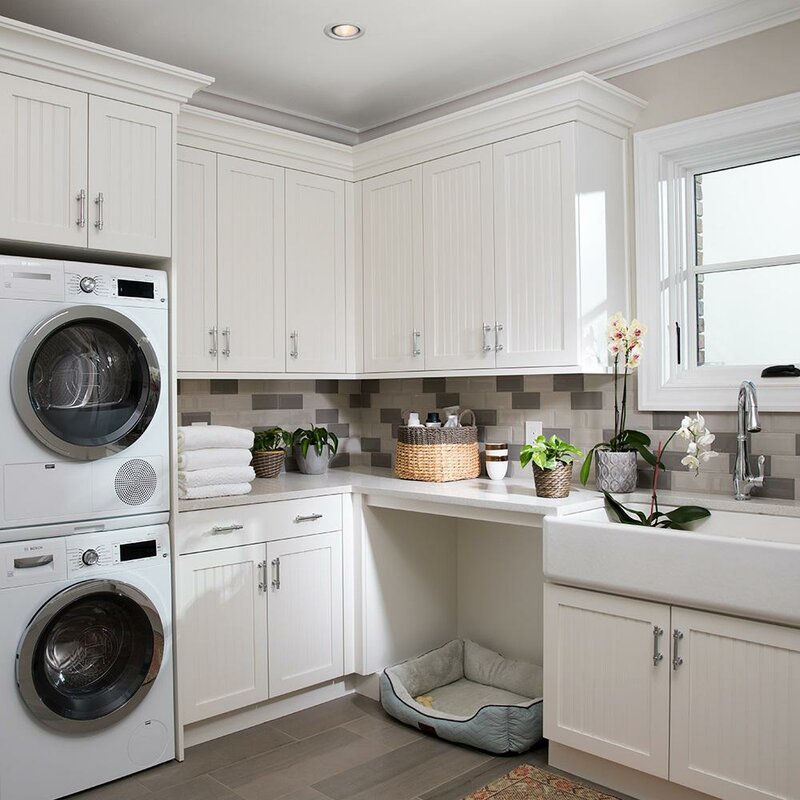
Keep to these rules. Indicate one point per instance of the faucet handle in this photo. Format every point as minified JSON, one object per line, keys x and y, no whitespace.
{"x":759,"y":479}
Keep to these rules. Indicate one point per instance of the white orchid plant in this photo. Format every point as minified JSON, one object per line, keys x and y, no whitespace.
{"x":698,"y":440}
{"x":625,"y":342}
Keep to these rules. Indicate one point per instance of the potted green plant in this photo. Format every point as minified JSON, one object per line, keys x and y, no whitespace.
{"x":314,"y":448}
{"x":552,"y":464}
{"x":269,"y":451}
{"x":615,"y":460}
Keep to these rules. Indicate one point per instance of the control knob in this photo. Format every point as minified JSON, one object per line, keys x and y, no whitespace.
{"x":90,"y":557}
{"x":88,"y":284}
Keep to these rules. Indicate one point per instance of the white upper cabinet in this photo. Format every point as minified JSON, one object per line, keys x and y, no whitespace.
{"x":43,"y":162}
{"x":535,"y":255}
{"x":393,"y":272}
{"x":130,"y":177}
{"x":458,"y":257}
{"x":735,"y":707}
{"x":316,"y":325}
{"x":196,"y":251}
{"x":305,"y":612}
{"x":251,"y":266}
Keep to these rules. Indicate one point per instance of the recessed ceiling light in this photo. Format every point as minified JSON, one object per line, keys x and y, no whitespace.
{"x":344,"y":31}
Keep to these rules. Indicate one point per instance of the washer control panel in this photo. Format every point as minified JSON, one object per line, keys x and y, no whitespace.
{"x":128,"y":549}
{"x":115,"y":285}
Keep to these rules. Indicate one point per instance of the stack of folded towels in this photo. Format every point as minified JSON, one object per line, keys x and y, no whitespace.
{"x":214,"y":461}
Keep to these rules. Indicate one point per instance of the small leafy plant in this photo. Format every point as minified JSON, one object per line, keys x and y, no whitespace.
{"x":547,"y":453}
{"x":316,"y":438}
{"x":274,"y":438}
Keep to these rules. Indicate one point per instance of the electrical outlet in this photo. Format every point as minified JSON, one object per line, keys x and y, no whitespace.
{"x":532,"y":430}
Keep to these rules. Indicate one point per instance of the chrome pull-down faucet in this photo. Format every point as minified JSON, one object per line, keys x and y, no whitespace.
{"x":747,"y":411}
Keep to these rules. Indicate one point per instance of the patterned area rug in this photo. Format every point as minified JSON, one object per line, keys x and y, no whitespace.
{"x":532,"y":783}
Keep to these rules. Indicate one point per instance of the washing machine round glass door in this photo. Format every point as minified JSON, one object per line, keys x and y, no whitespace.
{"x":86,"y":382}
{"x":90,"y":655}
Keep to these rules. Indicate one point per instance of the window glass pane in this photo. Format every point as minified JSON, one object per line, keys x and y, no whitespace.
{"x":749,"y":316}
{"x":748,"y":212}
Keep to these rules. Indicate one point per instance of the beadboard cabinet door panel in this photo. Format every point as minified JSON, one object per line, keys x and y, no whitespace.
{"x":43,"y":163}
{"x":459,"y":261}
{"x":196,"y":252}
{"x":222,"y":631}
{"x":393,"y":272}
{"x":736,"y":707}
{"x":607,"y":692}
{"x":130,"y":178}
{"x":305,"y":611}
{"x":316,"y":326}
{"x":250,"y":266}
{"x":535,"y":248}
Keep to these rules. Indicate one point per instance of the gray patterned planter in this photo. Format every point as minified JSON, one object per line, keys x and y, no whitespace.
{"x":615,"y":472}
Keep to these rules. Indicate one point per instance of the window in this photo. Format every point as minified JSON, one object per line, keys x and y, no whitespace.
{"x":718,"y":256}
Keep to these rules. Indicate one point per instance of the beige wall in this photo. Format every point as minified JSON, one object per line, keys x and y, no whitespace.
{"x":744,"y":71}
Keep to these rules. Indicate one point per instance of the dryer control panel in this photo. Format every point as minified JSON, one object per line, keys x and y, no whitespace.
{"x":127,"y":549}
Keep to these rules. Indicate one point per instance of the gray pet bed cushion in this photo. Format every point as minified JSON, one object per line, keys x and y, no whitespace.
{"x":478,"y":697}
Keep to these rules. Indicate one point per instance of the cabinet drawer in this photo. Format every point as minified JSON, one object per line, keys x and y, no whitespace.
{"x":258,"y":522}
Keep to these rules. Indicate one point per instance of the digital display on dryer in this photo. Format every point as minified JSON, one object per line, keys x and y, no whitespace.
{"x":133,"y":551}
{"x":141,"y":289}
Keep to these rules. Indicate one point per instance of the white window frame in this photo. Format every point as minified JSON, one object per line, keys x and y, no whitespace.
{"x":666,"y":160}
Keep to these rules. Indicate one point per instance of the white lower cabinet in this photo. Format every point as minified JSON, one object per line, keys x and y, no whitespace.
{"x":305,"y":613}
{"x":704,"y":700}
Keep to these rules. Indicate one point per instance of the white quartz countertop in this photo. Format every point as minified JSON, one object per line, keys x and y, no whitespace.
{"x":513,"y":495}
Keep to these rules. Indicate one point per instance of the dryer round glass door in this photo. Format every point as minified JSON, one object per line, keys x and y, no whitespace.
{"x":90,"y":655}
{"x":86,"y":382}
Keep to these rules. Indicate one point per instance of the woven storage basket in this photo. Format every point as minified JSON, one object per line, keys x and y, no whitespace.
{"x":438,"y":454}
{"x":268,"y":463}
{"x":553,"y":482}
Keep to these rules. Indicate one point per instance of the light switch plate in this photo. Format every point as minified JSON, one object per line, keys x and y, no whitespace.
{"x":532,"y":430}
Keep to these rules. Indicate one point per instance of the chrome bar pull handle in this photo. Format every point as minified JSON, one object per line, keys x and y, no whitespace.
{"x":295,"y":351}
{"x":226,"y":332}
{"x":676,"y":638}
{"x":235,"y":526}
{"x":498,"y":329}
{"x":81,"y":198}
{"x":415,"y":347}
{"x":657,"y":656}
{"x":307,"y":517}
{"x":100,"y":221}
{"x":276,"y":574}
{"x":213,"y":333}
{"x":262,"y":576}
{"x":487,"y":329}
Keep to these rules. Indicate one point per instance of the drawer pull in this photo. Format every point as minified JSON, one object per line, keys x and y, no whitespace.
{"x":226,"y":528}
{"x":307,"y":517}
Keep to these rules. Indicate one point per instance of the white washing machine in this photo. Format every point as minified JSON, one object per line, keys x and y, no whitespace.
{"x":83,"y":400}
{"x":89,"y":697}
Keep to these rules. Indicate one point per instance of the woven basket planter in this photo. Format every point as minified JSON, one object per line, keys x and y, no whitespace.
{"x":553,"y":482}
{"x":268,"y":463}
{"x":437,"y":455}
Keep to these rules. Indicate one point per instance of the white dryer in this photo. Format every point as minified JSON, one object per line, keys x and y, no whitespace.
{"x":89,"y":697}
{"x":83,"y":402}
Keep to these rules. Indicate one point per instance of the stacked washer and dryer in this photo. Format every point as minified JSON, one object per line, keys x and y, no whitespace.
{"x":86,"y":682}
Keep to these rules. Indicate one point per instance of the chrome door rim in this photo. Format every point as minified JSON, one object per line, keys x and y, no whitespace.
{"x":21,"y":397}
{"x":30,"y":639}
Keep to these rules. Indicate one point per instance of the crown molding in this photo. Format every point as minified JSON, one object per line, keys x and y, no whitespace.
{"x":223,"y":133}
{"x":77,"y":64}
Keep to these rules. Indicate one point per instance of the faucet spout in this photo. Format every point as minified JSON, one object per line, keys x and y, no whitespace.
{"x":747,"y":423}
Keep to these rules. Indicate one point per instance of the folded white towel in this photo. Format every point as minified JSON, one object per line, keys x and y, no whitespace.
{"x":199,"y":437}
{"x":214,"y":457}
{"x":230,"y":489}
{"x":216,"y":476}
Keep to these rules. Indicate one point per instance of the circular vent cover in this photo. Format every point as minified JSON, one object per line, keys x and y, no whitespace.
{"x":135,"y":482}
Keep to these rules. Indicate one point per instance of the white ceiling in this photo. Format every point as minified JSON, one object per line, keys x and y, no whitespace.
{"x":416,"y":54}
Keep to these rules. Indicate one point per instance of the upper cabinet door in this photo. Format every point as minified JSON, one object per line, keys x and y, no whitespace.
{"x":735,"y":707}
{"x":250,"y":273}
{"x":196,"y":255}
{"x":393,"y":272}
{"x":43,"y":163}
{"x":607,"y":688}
{"x":535,"y":250}
{"x":130,"y":178}
{"x":459,"y":269}
{"x":315,"y":273}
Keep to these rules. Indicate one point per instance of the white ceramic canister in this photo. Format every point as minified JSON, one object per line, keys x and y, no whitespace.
{"x":496,"y":460}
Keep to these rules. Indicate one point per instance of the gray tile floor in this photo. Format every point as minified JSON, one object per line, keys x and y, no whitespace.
{"x":348,"y":749}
